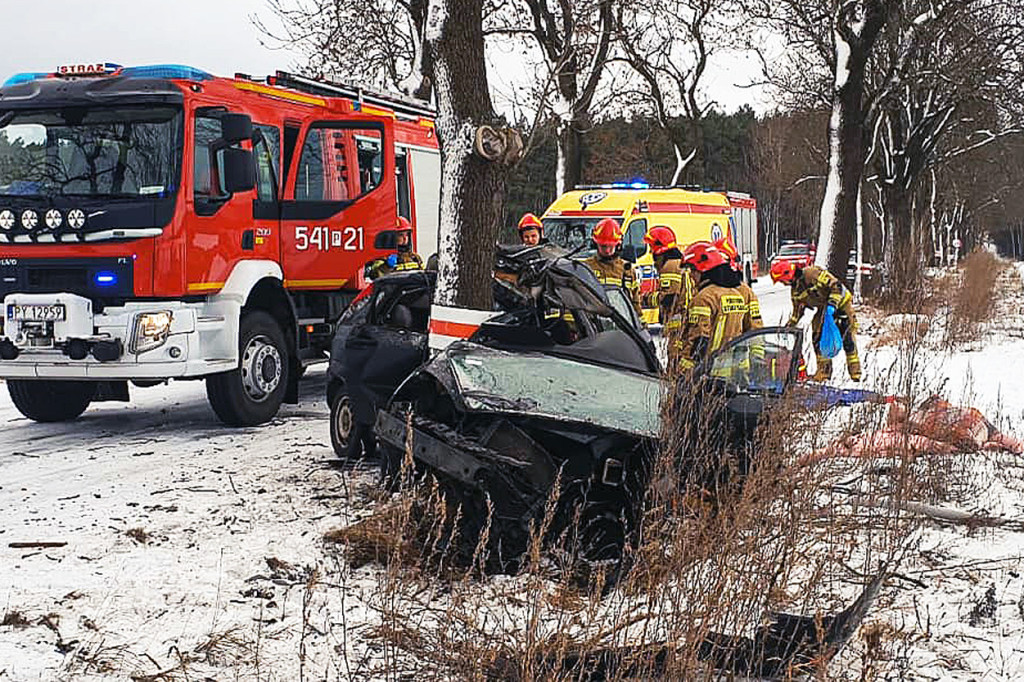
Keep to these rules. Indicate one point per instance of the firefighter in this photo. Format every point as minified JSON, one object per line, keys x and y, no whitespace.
{"x":815,"y":287}
{"x":754,"y":306}
{"x":719,"y":310}
{"x":531,"y":230}
{"x":403,"y":260}
{"x":676,"y":285}
{"x":608,"y":265}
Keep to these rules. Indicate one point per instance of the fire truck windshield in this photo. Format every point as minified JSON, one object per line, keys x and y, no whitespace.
{"x":91,"y":151}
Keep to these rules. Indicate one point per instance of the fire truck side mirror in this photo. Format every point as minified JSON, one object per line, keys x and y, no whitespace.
{"x":386,"y":240}
{"x":235,"y":128}
{"x":239,"y":170}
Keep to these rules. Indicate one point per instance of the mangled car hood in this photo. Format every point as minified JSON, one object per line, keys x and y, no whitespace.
{"x":535,"y":384}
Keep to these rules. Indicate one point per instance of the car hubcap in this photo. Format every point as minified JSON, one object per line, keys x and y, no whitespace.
{"x":344,"y":422}
{"x":261,"y":368}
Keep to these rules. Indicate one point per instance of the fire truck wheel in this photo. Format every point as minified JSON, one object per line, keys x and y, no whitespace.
{"x":51,"y":401}
{"x":252,"y":393}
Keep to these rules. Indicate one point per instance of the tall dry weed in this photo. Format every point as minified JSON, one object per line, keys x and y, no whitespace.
{"x":972,"y":301}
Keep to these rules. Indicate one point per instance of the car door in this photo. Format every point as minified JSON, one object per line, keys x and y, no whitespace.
{"x":740,"y":383}
{"x":378,"y":355}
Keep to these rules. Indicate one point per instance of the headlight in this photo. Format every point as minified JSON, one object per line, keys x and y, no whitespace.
{"x":53,"y":219}
{"x":151,"y":330}
{"x":76,"y":219}
{"x":29,"y":219}
{"x":7,"y":219}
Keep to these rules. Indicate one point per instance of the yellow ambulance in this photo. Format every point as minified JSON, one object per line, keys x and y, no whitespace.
{"x":692,"y":215}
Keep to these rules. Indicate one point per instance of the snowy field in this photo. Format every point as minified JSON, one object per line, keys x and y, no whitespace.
{"x":182,"y":543}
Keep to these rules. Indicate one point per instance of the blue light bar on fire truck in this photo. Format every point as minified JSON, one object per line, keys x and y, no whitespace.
{"x":108,"y":69}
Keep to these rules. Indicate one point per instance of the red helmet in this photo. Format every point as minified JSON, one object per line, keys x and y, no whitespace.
{"x":703,"y":256}
{"x":403,"y":225}
{"x":661,"y":239}
{"x":607,"y":232}
{"x":783,"y":271}
{"x":530,"y":222}
{"x":726,"y":246}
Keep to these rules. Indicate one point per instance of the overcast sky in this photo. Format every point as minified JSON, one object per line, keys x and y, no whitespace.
{"x":214,"y":35}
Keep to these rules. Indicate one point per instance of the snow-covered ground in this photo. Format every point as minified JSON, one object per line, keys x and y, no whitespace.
{"x":188,"y":546}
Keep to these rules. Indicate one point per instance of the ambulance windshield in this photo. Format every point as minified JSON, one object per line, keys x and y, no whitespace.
{"x":91,"y":152}
{"x":571,"y":233}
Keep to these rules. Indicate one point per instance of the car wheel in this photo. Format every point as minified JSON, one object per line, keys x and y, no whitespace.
{"x":252,"y":393}
{"x":347,"y":434}
{"x":51,"y":401}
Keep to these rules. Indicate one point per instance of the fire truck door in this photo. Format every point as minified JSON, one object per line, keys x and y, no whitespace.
{"x":342,"y":195}
{"x":263,"y":237}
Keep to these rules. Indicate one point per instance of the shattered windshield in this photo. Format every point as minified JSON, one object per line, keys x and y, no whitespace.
{"x":492,"y":380}
{"x":91,"y":151}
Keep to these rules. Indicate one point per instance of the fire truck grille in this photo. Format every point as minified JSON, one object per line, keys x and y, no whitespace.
{"x":94,"y":278}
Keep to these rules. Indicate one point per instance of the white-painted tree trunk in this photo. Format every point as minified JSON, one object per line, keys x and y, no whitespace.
{"x":858,"y":279}
{"x":472,"y":188}
{"x":833,"y":188}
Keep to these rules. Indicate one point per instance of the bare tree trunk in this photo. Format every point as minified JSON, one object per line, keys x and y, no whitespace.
{"x":857,"y":25}
{"x":569,"y":172}
{"x":472,"y":188}
{"x":901,"y":253}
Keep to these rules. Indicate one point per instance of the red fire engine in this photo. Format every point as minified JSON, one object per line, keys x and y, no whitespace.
{"x":159,"y":222}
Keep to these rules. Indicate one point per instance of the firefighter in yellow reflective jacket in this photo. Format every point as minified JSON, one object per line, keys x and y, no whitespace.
{"x":609,"y":267}
{"x":675,"y":286}
{"x":754,"y":306}
{"x":405,"y":258}
{"x":720,"y":310}
{"x":814,"y":287}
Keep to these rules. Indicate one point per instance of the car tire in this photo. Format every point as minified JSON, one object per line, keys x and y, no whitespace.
{"x":347,"y":434}
{"x":252,"y":393}
{"x":50,"y":401}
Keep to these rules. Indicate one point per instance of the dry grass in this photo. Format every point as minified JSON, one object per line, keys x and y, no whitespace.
{"x":139,"y":535}
{"x":15,"y":619}
{"x":972,"y":301}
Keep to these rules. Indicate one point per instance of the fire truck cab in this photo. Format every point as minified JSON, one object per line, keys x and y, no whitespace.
{"x":161,"y":223}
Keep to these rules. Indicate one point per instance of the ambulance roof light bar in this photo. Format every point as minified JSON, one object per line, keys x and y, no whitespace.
{"x":398,"y":103}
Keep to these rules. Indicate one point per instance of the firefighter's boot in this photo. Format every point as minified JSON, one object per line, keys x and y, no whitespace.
{"x":853,"y":365}
{"x":824,"y":372}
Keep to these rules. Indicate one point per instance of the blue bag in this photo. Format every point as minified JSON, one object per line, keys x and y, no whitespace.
{"x":831,"y":341}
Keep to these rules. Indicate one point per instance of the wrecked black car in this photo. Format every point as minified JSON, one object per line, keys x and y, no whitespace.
{"x":551,"y":304}
{"x":560,"y":387}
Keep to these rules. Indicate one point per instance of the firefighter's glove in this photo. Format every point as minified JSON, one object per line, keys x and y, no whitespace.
{"x":392,"y":260}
